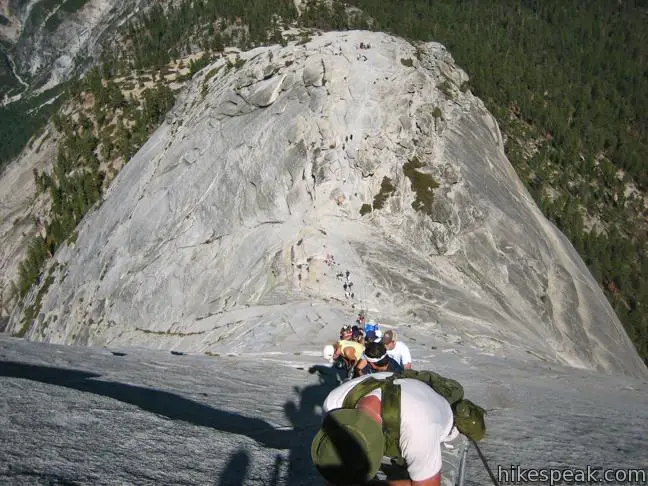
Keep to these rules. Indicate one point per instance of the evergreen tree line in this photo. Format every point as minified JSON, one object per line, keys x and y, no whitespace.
{"x":165,"y":34}
{"x":19,"y":121}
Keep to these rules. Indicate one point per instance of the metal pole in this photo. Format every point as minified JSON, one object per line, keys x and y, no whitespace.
{"x":462,"y":467}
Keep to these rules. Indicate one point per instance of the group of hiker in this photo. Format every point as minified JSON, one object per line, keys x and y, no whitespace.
{"x":364,"y":349}
{"x":386,"y":409}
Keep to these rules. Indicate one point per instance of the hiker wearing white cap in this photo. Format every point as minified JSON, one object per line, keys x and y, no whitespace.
{"x":328,"y":353}
{"x":397,"y":350}
{"x":346,"y":354}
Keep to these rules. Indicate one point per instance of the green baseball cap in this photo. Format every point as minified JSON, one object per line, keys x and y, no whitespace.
{"x":349,"y":447}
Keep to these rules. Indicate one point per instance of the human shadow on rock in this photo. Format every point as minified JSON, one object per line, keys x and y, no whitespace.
{"x":302,"y":411}
{"x":235,"y":471}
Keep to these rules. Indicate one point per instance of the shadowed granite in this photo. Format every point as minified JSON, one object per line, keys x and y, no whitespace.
{"x":85,"y":415}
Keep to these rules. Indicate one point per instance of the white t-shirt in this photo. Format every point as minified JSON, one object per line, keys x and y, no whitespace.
{"x":400,"y":353}
{"x":426,"y":421}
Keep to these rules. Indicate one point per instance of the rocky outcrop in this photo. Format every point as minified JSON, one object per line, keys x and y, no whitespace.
{"x":266,"y":185}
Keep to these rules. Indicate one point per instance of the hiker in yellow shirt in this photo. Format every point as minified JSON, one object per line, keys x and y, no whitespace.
{"x":346,"y":352}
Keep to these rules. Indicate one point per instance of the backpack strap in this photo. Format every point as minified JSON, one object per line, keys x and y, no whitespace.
{"x":360,"y":390}
{"x":391,"y":417}
{"x":390,"y":410}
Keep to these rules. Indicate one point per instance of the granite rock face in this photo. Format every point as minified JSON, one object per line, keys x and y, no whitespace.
{"x":86,"y":415}
{"x":48,"y":43}
{"x":244,"y":209}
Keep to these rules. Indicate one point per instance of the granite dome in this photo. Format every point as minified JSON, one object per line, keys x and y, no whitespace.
{"x":243,"y":211}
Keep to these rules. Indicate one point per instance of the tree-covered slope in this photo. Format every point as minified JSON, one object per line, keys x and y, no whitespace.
{"x":568,"y":84}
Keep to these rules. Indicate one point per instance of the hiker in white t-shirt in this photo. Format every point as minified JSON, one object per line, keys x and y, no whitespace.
{"x":349,"y":447}
{"x":397,"y":350}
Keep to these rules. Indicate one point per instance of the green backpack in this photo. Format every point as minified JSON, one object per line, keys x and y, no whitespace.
{"x":468,"y":417}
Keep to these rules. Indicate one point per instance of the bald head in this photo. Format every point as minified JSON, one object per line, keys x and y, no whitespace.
{"x":372,"y":406}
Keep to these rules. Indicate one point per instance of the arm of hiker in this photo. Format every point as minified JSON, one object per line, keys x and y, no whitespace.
{"x":407,"y":358}
{"x":359,"y":369}
{"x":433,"y":481}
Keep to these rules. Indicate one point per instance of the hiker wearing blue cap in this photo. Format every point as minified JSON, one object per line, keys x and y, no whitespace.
{"x":358,"y":429}
{"x":370,"y":326}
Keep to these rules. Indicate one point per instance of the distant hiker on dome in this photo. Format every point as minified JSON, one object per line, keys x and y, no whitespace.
{"x":370,"y":417}
{"x":360,"y":320}
{"x":375,"y":360}
{"x":397,"y":350}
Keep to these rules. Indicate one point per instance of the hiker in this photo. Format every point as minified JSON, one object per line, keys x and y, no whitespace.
{"x":353,"y":437}
{"x":347,"y":354}
{"x":370,"y":325}
{"x":328,"y":353}
{"x":373,"y":336}
{"x":357,"y":335}
{"x":397,"y":350}
{"x":346,"y":332}
{"x":375,"y":360}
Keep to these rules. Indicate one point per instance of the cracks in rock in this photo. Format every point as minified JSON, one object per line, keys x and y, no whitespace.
{"x":323,"y":72}
{"x":212,"y":239}
{"x":145,"y":185}
{"x":170,"y":333}
{"x":143,"y":266}
{"x":311,"y":193}
{"x":350,"y":96}
{"x":321,"y":133}
{"x":268,"y":222}
{"x":238,"y":93}
{"x":239,"y":107}
{"x":310,"y":190}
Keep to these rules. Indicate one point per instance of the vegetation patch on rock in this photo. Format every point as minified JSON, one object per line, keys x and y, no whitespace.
{"x":386,"y":190}
{"x":365,"y":209}
{"x":422,"y":184}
